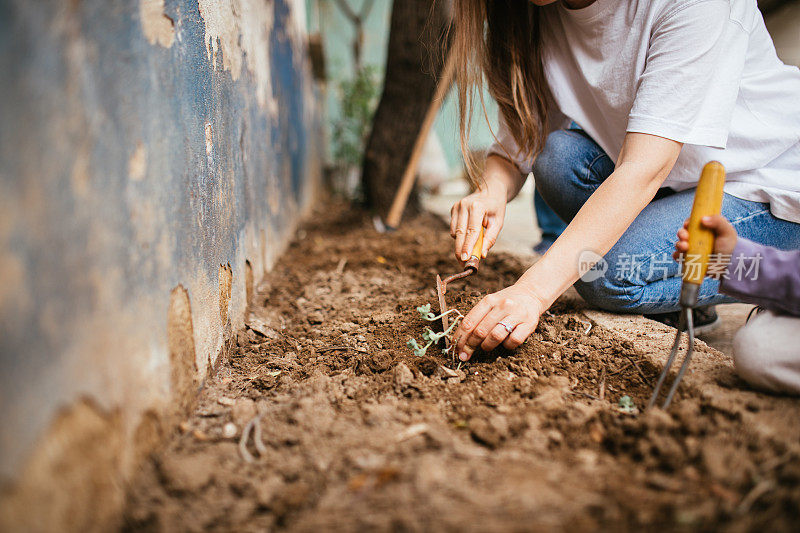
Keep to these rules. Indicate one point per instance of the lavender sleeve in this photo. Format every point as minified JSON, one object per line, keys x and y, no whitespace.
{"x":764,"y":276}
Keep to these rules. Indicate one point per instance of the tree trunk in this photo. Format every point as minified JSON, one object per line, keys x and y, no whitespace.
{"x":413,"y":63}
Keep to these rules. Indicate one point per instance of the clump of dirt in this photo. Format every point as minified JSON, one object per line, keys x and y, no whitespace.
{"x":347,"y":430}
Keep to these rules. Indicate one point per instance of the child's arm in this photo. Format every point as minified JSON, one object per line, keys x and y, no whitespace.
{"x":755,"y":273}
{"x":764,"y":276}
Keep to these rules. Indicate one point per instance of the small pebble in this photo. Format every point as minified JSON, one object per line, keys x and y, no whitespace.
{"x":229,"y":430}
{"x":403,"y":375}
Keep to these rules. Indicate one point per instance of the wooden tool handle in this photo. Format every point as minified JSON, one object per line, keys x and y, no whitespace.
{"x":707,"y":201}
{"x":475,"y":257}
{"x":410,"y":174}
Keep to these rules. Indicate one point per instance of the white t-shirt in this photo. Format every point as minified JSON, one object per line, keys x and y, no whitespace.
{"x":701,"y":72}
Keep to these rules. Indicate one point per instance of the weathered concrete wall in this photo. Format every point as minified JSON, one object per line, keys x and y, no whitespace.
{"x":154,"y":156}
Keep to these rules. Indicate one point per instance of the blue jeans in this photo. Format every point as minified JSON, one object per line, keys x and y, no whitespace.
{"x":642,"y":277}
{"x":549,"y":222}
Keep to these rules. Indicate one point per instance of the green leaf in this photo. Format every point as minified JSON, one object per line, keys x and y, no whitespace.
{"x":358,"y":98}
{"x":626,"y":404}
{"x":431,"y":336}
{"x":425,"y":312}
{"x":418,"y":351}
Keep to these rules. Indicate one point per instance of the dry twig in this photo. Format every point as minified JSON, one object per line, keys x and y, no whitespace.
{"x":254,"y":426}
{"x":761,"y":488}
{"x":585,"y":394}
{"x":641,"y":374}
{"x":602,"y":389}
{"x":621,"y":369}
{"x":332,"y":348}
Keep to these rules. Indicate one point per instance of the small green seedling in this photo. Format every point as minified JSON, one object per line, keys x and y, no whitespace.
{"x":429,"y":336}
{"x":626,"y":405}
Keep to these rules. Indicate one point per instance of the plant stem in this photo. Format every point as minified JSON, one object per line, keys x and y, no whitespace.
{"x":454,"y":310}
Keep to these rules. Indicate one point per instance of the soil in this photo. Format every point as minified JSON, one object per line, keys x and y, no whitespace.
{"x":348,"y":430}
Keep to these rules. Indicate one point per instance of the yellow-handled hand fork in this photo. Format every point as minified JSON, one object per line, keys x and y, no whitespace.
{"x":707,"y":201}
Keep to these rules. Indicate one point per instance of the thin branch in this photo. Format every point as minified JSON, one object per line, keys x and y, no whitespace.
{"x":348,"y":11}
{"x":621,"y":369}
{"x":585,"y":394}
{"x":641,"y":374}
{"x":332,"y":348}
{"x":760,"y":489}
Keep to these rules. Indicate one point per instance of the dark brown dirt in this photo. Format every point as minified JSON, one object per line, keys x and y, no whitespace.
{"x":359,"y":434}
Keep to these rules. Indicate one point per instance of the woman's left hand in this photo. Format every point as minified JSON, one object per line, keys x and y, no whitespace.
{"x":506,"y":317}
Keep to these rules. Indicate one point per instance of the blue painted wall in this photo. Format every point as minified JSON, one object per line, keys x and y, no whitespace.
{"x":130,"y":165}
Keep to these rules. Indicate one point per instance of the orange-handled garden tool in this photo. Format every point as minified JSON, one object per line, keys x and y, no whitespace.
{"x":707,"y":201}
{"x":470,"y":267}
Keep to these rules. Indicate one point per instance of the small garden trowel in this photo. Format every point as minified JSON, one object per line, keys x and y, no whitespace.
{"x":470,"y":267}
{"x":707,"y":201}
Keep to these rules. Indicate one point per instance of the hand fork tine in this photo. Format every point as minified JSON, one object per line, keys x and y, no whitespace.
{"x":686,"y":360}
{"x":684,"y":324}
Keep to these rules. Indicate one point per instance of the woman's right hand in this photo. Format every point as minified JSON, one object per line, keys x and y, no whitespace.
{"x":485,"y":207}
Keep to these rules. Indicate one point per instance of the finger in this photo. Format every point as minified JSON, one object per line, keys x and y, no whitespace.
{"x":520,"y":334}
{"x":465,"y":354}
{"x":709,"y":222}
{"x":453,"y":219}
{"x":686,"y":224}
{"x":717,"y":222}
{"x":474,"y":225}
{"x":683,"y":234}
{"x":493,"y":226}
{"x":499,"y":333}
{"x":483,"y":332}
{"x":461,"y":230}
{"x":469,"y":323}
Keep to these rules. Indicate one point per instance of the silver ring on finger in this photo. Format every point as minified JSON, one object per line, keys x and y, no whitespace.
{"x":508,"y":328}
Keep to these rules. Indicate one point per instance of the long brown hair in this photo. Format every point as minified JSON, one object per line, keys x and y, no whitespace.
{"x":501,"y":40}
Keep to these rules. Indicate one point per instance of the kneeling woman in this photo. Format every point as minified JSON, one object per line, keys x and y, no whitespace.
{"x":615,"y":105}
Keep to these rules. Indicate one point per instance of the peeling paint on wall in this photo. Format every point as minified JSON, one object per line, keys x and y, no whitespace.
{"x":137,"y":164}
{"x":180,"y":342}
{"x":239,"y":31}
{"x":156,"y":25}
